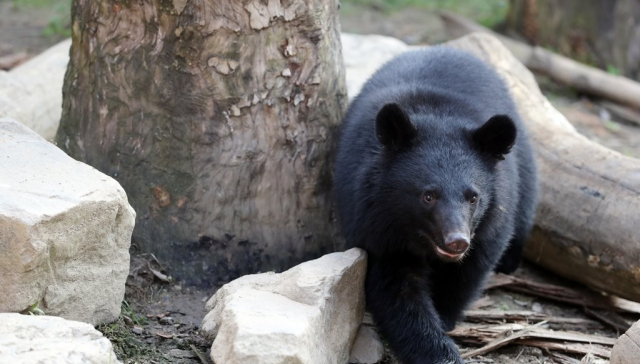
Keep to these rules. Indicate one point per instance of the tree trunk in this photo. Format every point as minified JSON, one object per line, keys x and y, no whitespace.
{"x":601,"y":32}
{"x":218,"y":117}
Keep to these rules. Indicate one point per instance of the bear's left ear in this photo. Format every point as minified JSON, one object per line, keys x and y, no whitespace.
{"x":497,"y":136}
{"x":394,"y":128}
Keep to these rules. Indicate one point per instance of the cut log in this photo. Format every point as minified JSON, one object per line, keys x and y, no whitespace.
{"x":627,"y":348}
{"x":561,"y":69}
{"x":219,"y":120}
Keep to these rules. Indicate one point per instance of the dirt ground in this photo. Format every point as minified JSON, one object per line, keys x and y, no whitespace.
{"x":161,"y":317}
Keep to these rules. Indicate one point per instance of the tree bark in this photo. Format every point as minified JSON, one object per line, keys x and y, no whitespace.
{"x":218,"y":117}
{"x":601,"y":32}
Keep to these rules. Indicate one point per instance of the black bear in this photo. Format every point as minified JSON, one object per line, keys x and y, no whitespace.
{"x":435,"y":179}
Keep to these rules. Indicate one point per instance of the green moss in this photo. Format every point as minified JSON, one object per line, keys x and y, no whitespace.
{"x":125,"y":344}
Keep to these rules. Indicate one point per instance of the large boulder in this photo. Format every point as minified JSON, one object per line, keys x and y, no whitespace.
{"x":53,"y":340}
{"x":364,"y":54}
{"x":32,"y":92}
{"x":308,"y":314}
{"x":65,"y":231}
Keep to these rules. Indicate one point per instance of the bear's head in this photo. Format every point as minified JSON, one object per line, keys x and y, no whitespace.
{"x":437,"y":178}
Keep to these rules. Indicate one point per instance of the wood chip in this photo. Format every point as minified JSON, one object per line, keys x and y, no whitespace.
{"x":159,"y":275}
{"x":164,"y":335}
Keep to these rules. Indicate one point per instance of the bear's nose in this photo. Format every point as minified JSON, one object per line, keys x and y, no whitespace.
{"x":457,"y":243}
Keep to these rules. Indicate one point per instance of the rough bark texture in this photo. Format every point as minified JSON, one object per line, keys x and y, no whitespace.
{"x":604,"y":32}
{"x":218,"y":117}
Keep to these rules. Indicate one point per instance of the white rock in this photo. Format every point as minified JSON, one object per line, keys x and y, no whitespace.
{"x":308,"y":314}
{"x":365,"y":54}
{"x":367,"y":349}
{"x":32,"y":92}
{"x":52,"y":340}
{"x":65,"y":231}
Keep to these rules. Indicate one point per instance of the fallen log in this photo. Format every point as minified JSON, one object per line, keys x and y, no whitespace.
{"x":561,"y":69}
{"x":587,"y":220}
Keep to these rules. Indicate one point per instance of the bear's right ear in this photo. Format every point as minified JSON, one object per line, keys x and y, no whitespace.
{"x":393,"y":127}
{"x":497,"y":136}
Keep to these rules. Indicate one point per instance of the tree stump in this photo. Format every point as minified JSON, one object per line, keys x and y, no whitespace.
{"x":218,"y":117}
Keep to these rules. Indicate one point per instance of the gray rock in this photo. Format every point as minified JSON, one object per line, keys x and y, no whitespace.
{"x":367,"y":348}
{"x":308,"y":314}
{"x":181,"y":354}
{"x":166,"y":321}
{"x":28,"y":339}
{"x":536,"y":307}
{"x":65,"y":231}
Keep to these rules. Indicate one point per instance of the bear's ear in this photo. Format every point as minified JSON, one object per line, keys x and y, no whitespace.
{"x":497,"y":136}
{"x":393,"y":127}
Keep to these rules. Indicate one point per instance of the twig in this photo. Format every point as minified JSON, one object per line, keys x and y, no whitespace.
{"x":582,"y":298}
{"x":616,"y":323}
{"x":626,"y":113}
{"x":501,"y":342}
{"x":528,"y":316}
{"x":576,"y":348}
{"x":199,"y":354}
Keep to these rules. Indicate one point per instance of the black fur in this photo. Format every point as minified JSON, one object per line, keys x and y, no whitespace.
{"x":433,"y":146}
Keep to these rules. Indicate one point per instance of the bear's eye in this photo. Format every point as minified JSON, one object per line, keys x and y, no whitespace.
{"x":428,"y":197}
{"x":473,"y":199}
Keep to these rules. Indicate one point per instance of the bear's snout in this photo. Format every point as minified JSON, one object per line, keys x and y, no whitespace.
{"x":456,"y":244}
